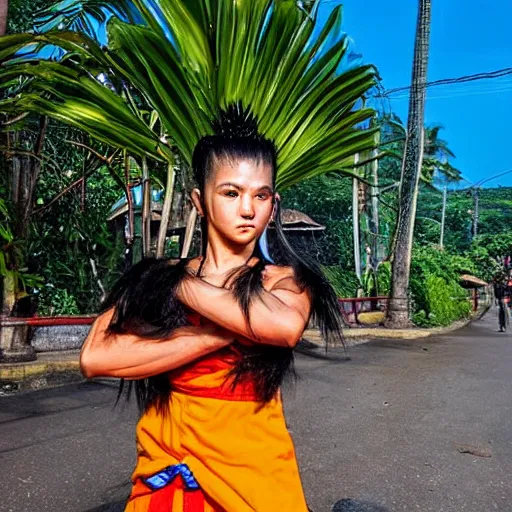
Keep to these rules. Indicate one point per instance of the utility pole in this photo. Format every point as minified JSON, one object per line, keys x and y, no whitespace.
{"x":355,"y":221}
{"x":475,"y":191}
{"x":475,"y":212}
{"x":443,"y":219}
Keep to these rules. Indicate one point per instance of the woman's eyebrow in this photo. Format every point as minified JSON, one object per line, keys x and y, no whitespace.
{"x":239,"y":187}
{"x":230,"y":184}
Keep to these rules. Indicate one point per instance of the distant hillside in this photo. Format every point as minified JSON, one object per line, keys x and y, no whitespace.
{"x":495,"y":215}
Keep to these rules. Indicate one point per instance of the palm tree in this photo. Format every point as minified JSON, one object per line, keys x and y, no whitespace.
{"x":188,"y":60}
{"x":436,"y":152}
{"x":436,"y":157}
{"x":398,"y":311}
{"x":167,"y":70}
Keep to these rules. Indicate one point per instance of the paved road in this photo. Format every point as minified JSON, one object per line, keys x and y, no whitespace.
{"x":381,"y":432}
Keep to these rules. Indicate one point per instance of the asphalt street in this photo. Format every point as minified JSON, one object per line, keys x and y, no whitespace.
{"x":399,"y":426}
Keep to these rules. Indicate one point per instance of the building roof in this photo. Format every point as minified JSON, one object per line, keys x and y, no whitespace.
{"x":470,"y":281}
{"x":294,"y":220}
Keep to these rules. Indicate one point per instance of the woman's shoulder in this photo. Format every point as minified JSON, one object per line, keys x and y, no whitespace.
{"x":280,"y":276}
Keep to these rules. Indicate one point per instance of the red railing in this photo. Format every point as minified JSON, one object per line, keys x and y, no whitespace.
{"x":45,"y":321}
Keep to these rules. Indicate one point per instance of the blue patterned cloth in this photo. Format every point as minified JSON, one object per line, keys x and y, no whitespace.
{"x":167,"y":475}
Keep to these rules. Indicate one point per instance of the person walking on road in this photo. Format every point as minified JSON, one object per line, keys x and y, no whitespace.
{"x":500,"y":296}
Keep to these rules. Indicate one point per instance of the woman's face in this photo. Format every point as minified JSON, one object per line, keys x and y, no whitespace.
{"x":238,"y":200}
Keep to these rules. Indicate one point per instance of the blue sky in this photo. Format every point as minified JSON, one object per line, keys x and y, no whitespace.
{"x":467,"y":37}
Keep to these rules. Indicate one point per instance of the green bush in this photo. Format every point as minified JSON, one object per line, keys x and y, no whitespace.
{"x":55,"y":302}
{"x":384,"y":278}
{"x":437,"y":295}
{"x":444,"y":303}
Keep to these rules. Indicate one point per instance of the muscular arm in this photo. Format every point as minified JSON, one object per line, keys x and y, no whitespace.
{"x":132,"y":357}
{"x":278,"y":317}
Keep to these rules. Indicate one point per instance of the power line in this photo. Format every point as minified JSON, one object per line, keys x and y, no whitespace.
{"x":481,"y":182}
{"x":446,"y":81}
{"x":459,"y":94}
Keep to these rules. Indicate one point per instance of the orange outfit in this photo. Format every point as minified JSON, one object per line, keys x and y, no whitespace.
{"x":239,"y":450}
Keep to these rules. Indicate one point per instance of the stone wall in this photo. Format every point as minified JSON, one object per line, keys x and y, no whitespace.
{"x":59,"y":337}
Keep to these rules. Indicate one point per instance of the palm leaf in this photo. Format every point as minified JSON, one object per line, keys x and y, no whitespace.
{"x":83,"y":102}
{"x":84,"y":16}
{"x":190,"y":59}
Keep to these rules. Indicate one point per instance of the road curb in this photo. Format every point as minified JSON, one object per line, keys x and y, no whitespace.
{"x":50,"y":369}
{"x":356,"y":336}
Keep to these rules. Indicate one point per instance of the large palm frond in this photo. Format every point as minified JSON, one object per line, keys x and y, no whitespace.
{"x":191,"y":58}
{"x":86,"y":17}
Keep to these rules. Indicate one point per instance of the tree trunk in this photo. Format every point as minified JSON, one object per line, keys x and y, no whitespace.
{"x":146,"y":209}
{"x":374,"y":219}
{"x":166,"y":210}
{"x":26,"y":184}
{"x":4,"y":7}
{"x":399,"y":310}
{"x":355,"y":223}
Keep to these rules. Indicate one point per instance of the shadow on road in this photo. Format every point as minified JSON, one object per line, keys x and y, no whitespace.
{"x":349,"y":505}
{"x":335,"y":354}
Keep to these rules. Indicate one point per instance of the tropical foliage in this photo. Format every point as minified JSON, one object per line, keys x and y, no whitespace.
{"x":149,"y":80}
{"x":437,"y":156}
{"x":436,"y":292}
{"x":14,"y":274}
{"x":123,"y":76}
{"x":156,"y":86}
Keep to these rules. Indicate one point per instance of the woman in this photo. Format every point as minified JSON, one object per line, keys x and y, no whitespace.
{"x":209,"y":341}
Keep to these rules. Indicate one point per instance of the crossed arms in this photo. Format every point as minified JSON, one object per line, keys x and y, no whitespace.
{"x":278,"y":317}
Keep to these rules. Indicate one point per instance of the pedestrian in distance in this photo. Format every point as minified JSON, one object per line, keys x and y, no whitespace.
{"x":500,"y":295}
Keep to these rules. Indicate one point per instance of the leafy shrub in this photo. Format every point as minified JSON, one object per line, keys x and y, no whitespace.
{"x":55,"y":302}
{"x":437,"y":295}
{"x":384,"y":278}
{"x":445,"y":303}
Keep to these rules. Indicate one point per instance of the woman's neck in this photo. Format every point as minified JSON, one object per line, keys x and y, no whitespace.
{"x":221,"y":259}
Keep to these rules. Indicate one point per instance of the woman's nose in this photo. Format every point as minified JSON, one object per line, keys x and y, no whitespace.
{"x":246,"y":207}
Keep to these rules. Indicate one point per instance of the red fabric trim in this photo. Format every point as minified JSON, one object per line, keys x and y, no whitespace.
{"x":163,"y":499}
{"x":182,"y":379}
{"x":193,"y":501}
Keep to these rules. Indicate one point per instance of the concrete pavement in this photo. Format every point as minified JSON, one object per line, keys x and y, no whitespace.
{"x":400,"y":426}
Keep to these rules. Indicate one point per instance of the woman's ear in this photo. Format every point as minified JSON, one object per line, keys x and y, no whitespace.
{"x":196,"y":200}
{"x":277,"y":198}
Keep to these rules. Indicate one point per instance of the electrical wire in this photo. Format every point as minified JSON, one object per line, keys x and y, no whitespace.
{"x":447,"y":81}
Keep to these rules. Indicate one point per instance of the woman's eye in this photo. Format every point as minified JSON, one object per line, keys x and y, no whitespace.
{"x":262,"y":196}
{"x":231,"y":193}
